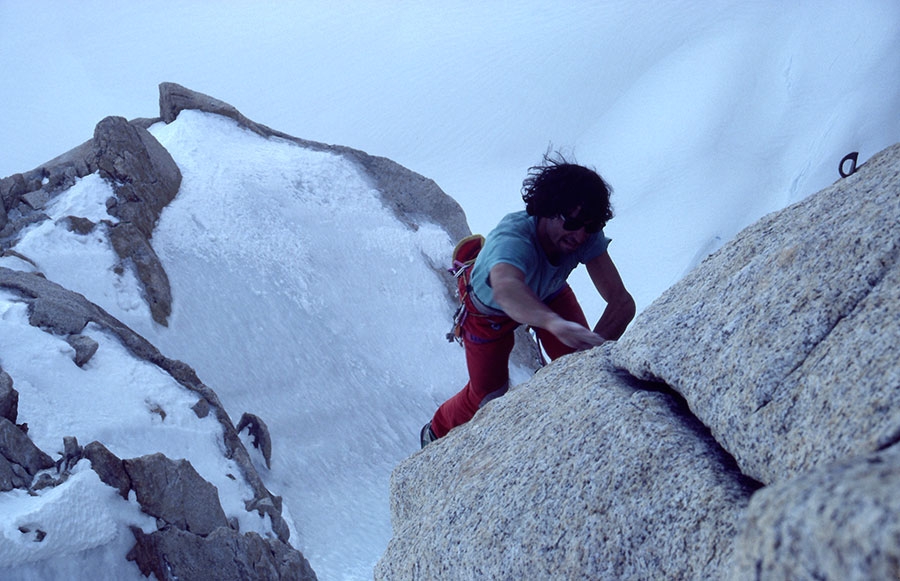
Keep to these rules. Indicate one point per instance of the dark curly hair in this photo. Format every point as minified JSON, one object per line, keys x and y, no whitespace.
{"x":559,"y":187}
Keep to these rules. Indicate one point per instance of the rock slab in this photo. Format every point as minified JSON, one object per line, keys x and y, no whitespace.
{"x":784,"y":342}
{"x":576,"y":474}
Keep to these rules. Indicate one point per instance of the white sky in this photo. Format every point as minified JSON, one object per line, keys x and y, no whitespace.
{"x":702,"y":115}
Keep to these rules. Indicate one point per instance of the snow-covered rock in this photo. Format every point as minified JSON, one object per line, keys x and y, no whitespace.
{"x":79,"y":272}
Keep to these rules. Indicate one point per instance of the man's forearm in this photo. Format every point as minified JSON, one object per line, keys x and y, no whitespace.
{"x":615,"y":318}
{"x":522,"y":305}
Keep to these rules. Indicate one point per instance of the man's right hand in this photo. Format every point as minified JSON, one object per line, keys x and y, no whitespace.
{"x":574,"y":335}
{"x":521,"y":304}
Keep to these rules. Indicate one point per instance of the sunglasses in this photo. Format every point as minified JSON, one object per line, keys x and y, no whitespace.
{"x":572,"y":224}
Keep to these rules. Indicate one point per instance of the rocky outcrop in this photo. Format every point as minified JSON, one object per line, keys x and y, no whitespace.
{"x":171,"y":491}
{"x":65,"y":313}
{"x":20,"y":459}
{"x":15,"y":446}
{"x":144,"y":176}
{"x":108,"y":467}
{"x":838,"y":521}
{"x":171,"y":553}
{"x":23,"y":195}
{"x":582,"y":473}
{"x":772,"y":366}
{"x":9,"y":398}
{"x":145,"y":179}
{"x":784,"y":341}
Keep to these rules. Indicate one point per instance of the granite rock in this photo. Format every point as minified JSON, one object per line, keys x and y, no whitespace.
{"x":108,"y":467}
{"x":63,"y":312}
{"x":145,"y":179}
{"x":172,"y":490}
{"x":577,"y":474}
{"x":171,"y":553}
{"x":784,"y":341}
{"x":838,"y":521}
{"x":9,"y":398}
{"x":17,"y":447}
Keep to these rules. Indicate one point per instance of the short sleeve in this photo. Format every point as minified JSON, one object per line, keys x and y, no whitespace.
{"x":595,"y":248}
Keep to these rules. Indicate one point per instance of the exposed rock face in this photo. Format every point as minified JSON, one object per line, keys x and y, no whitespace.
{"x":24,"y":195}
{"x":171,"y":553}
{"x":15,"y":446}
{"x":84,"y":346}
{"x":834,"y":522}
{"x":785,"y":341}
{"x":145,"y":179}
{"x":9,"y":398}
{"x":171,"y":491}
{"x":783,"y":347}
{"x":21,"y":459}
{"x":108,"y":467}
{"x":195,"y":540}
{"x":578,"y":474}
{"x":64,"y":312}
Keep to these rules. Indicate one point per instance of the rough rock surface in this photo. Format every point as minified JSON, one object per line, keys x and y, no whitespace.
{"x":84,"y":347}
{"x":577,"y":474}
{"x":20,"y":459}
{"x":23,"y":195}
{"x":172,"y":490}
{"x":17,"y":448}
{"x":785,"y":341}
{"x":145,"y":179}
{"x":108,"y":467}
{"x":839,"y":521}
{"x":171,"y":553}
{"x":9,"y":398}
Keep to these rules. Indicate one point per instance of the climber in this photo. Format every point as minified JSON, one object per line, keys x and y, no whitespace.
{"x":519,"y":278}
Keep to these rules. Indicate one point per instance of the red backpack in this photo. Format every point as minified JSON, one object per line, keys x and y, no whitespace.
{"x":463,"y":259}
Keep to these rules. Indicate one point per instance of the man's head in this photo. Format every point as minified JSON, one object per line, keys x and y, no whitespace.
{"x":559,"y":188}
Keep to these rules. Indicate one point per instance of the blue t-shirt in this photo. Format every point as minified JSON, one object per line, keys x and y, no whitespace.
{"x":514,"y":241}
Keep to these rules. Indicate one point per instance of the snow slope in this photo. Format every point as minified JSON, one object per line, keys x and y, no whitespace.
{"x":297,"y":297}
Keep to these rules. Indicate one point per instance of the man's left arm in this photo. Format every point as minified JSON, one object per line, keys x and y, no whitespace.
{"x":620,"y":306}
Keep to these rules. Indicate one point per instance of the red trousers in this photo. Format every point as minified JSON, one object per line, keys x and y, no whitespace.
{"x":489,"y":340}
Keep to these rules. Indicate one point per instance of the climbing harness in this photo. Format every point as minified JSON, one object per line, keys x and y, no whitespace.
{"x":463,"y":259}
